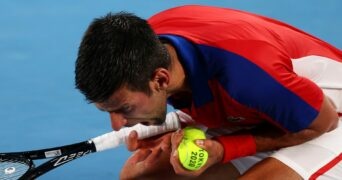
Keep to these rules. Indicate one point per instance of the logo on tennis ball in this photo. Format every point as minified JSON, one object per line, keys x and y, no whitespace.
{"x":190,"y":155}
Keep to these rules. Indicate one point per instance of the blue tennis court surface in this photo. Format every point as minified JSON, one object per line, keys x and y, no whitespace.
{"x":39,"y":106}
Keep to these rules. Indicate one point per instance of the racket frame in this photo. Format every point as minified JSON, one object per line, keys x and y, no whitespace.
{"x":60,"y":155}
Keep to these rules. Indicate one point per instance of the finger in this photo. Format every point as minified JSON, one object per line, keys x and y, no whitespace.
{"x":132,"y":141}
{"x":139,"y":156}
{"x":162,"y":149}
{"x":176,"y":138}
{"x":179,"y":169}
{"x":214,"y":149}
{"x":149,"y":143}
{"x":153,"y":156}
{"x":208,"y":144}
{"x":204,"y":144}
{"x":130,"y":171}
{"x":166,"y":143}
{"x":166,"y":147}
{"x":174,"y":160}
{"x":134,"y":166}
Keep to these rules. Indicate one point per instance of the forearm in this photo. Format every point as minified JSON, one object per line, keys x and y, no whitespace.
{"x":267,"y":142}
{"x":264,"y":139}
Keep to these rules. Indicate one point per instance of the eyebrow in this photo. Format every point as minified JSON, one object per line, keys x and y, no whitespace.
{"x":115,"y":110}
{"x":101,"y":109}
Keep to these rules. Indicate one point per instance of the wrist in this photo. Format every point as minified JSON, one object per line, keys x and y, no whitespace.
{"x":220,"y":154}
{"x":236,"y":146}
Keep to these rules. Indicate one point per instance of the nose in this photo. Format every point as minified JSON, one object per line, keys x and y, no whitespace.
{"x":117,"y":120}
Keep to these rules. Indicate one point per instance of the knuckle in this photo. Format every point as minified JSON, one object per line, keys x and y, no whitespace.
{"x":177,"y":171}
{"x":208,"y":143}
{"x":182,"y":172}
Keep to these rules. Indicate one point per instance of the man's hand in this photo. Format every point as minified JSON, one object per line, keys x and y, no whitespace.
{"x":147,"y":164}
{"x":162,"y":141}
{"x":214,"y":149}
{"x":152,"y":155}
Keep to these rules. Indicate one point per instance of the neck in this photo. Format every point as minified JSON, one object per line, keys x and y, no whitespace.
{"x":178,"y":81}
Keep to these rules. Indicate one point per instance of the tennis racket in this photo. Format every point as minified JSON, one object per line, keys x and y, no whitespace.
{"x":20,"y":165}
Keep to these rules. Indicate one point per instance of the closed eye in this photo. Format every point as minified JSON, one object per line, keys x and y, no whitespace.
{"x":126,"y":109}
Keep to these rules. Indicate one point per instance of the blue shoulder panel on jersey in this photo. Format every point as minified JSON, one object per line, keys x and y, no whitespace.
{"x":242,"y":80}
{"x":251,"y":86}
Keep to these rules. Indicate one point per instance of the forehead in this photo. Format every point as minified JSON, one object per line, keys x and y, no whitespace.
{"x":120,"y":97}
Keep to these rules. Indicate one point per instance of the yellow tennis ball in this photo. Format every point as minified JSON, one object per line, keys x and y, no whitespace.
{"x":190,"y":155}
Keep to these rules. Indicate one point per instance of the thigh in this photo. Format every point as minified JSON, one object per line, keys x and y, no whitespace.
{"x":319,"y":158}
{"x":220,"y":172}
{"x":262,"y":166}
{"x":335,"y":96}
{"x":270,"y":169}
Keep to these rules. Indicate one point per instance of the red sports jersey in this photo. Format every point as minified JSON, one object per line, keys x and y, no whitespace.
{"x":239,"y":66}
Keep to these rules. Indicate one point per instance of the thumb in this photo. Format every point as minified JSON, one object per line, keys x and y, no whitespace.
{"x":214,"y":148}
{"x":138,"y":156}
{"x":204,"y":143}
{"x":132,"y":141}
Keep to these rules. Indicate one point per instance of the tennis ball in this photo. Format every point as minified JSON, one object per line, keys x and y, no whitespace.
{"x":190,"y":155}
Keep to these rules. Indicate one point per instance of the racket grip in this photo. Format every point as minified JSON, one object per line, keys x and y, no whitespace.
{"x":115,"y":138}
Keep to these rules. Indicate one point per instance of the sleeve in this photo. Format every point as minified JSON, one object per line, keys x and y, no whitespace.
{"x":261,"y":76}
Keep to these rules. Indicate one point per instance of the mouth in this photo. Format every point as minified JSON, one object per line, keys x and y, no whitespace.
{"x":156,"y":122}
{"x":146,"y":121}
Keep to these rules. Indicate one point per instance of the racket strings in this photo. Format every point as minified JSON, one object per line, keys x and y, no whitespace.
{"x":12,"y":169}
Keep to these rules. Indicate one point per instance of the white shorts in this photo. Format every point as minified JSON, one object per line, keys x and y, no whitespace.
{"x":320,"y":158}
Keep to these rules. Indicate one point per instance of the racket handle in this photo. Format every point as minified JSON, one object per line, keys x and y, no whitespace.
{"x":115,"y":138}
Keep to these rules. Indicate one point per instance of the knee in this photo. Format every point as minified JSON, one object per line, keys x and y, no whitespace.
{"x":270,"y":169}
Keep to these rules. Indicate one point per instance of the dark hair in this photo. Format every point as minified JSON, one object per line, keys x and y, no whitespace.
{"x":118,"y":50}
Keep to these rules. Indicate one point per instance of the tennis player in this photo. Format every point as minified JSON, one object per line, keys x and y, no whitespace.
{"x":274,"y":90}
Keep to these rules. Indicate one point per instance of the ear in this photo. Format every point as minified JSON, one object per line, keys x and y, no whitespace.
{"x":160,"y":79}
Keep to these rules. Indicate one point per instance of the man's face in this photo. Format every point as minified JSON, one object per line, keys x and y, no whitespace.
{"x":127,"y":108}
